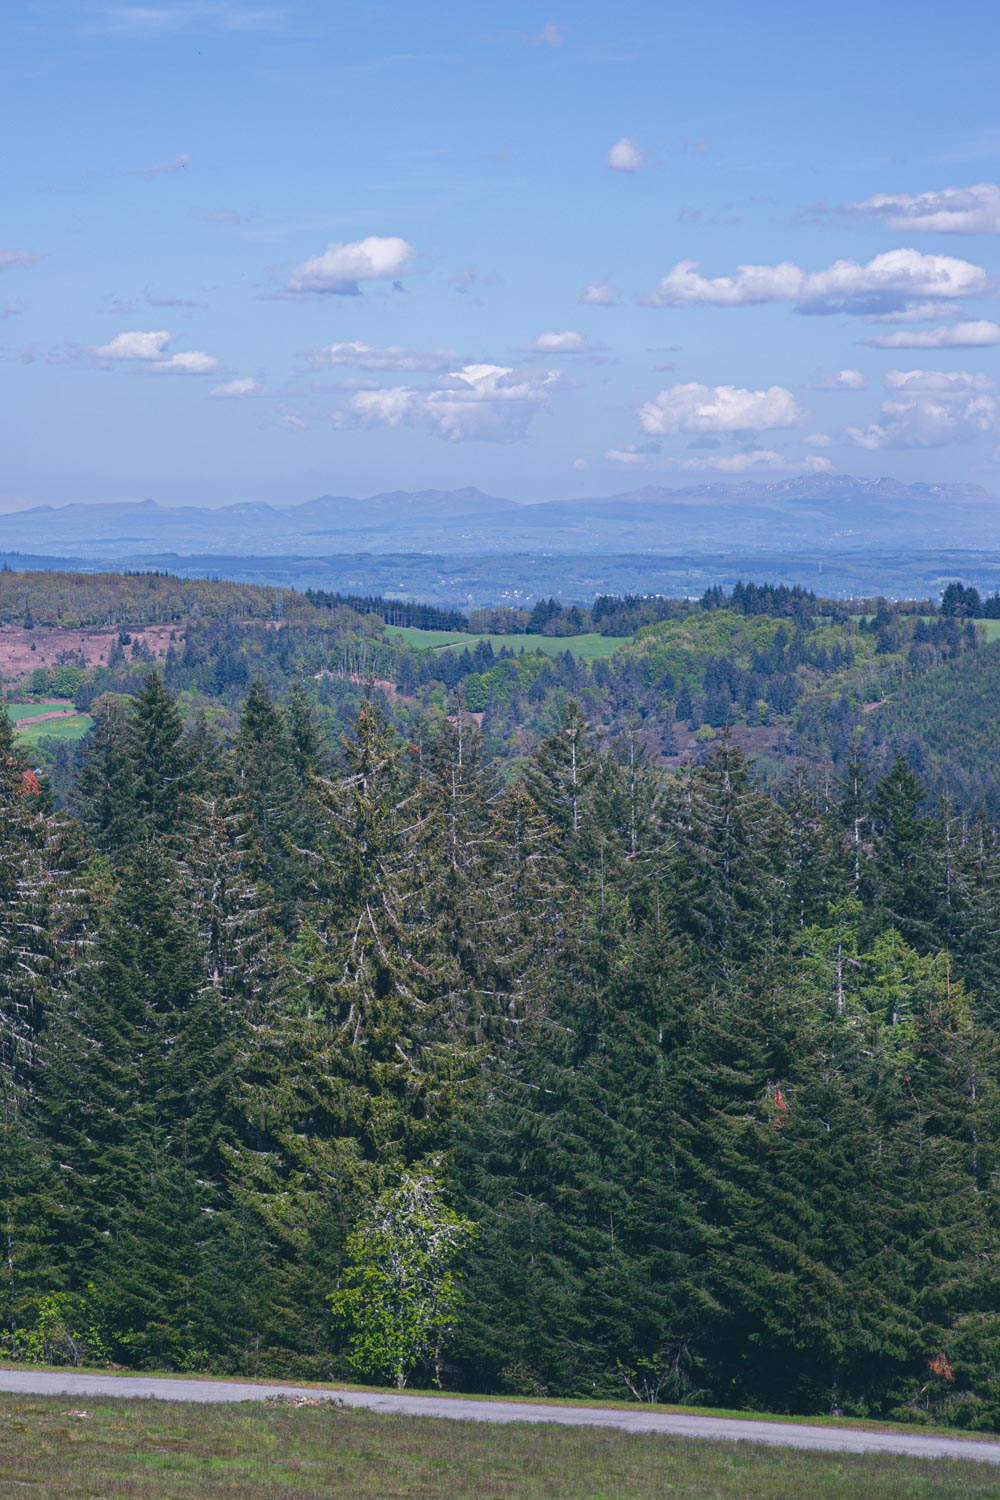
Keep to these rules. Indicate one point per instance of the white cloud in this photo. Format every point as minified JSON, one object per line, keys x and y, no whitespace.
{"x":917,"y":312}
{"x":369,"y":357}
{"x":625,"y":156}
{"x":551,"y":35}
{"x":341,"y":267}
{"x":150,"y":351}
{"x":567,"y":341}
{"x":979,"y":335}
{"x":194,"y":362}
{"x":719,"y":408}
{"x":559,"y":343}
{"x":889,"y":282}
{"x":234,"y":390}
{"x":758,"y":460}
{"x":930,"y":409}
{"x":580,"y":464}
{"x":971,"y":210}
{"x":629,"y":455}
{"x":818,"y":440}
{"x":598,"y":294}
{"x":487,"y":402}
{"x":840,"y":380}
{"x":17,"y":260}
{"x":134,"y":345}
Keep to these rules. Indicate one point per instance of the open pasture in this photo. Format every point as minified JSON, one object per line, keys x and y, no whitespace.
{"x":584,"y":647}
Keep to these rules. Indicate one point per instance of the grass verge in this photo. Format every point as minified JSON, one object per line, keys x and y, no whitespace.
{"x":154,"y":1451}
{"x":857,"y":1424}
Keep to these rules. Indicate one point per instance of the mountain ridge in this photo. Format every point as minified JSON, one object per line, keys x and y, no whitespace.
{"x":806,"y":511}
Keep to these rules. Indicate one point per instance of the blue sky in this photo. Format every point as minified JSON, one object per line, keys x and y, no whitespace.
{"x":262,"y":251}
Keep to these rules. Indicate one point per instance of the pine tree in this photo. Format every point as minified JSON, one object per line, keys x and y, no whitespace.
{"x":731,"y":857}
{"x":906,"y":873}
{"x":132,"y":1107}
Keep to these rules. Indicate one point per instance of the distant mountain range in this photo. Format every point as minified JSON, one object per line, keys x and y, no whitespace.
{"x":816,"y":514}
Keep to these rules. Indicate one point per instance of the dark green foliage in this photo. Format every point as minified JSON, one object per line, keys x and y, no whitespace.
{"x":712,"y":1071}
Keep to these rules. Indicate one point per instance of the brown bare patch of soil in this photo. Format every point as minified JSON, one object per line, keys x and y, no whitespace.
{"x":21,"y":650}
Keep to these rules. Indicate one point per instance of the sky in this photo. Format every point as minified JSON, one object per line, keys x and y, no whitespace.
{"x":257,"y":251}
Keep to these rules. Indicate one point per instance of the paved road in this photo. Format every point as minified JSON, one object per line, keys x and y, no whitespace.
{"x":630,"y":1419}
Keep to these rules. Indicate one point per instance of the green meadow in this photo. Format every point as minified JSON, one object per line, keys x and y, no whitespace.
{"x":70,"y":728}
{"x":155,"y":1450}
{"x":584,"y":647}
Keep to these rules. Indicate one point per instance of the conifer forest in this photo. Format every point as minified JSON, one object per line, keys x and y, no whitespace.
{"x":340,"y":1040}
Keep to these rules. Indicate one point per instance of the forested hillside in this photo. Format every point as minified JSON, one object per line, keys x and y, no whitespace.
{"x":652,"y":1081}
{"x":792,"y":677}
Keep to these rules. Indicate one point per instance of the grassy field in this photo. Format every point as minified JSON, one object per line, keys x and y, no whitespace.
{"x":17,"y":711}
{"x":51,"y":1446}
{"x":58,"y":729}
{"x":71,"y":728}
{"x":992,"y":628}
{"x":584,"y":647}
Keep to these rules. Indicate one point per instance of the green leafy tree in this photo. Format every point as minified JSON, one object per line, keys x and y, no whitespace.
{"x":401,"y":1297}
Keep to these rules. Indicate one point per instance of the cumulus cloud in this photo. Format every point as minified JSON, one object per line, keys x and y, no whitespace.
{"x":930,"y":409}
{"x":971,"y":210}
{"x":978,"y":335}
{"x":598,"y":294}
{"x":149,"y":351}
{"x":567,"y":341}
{"x":720,"y":408}
{"x":818,"y":440}
{"x":342,"y":267}
{"x":887,"y":283}
{"x":559,"y":343}
{"x":625,"y":156}
{"x":235,"y":390}
{"x":193,"y":362}
{"x":370,"y":357}
{"x":840,"y":380}
{"x":917,"y":312}
{"x":491,"y":403}
{"x":17,"y":260}
{"x":134,"y":345}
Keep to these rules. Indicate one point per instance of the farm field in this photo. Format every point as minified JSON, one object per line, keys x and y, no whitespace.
{"x":584,"y":647}
{"x":154,"y":1450}
{"x":992,"y":628}
{"x":52,"y":717}
{"x":73,"y":727}
{"x":18,"y":711}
